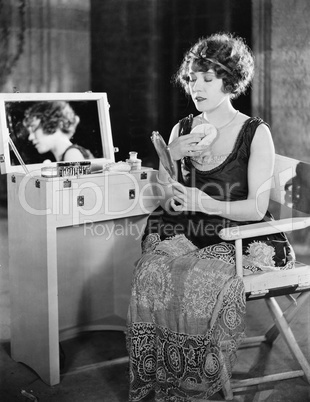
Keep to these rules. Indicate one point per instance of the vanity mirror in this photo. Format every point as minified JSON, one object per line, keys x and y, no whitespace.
{"x":37,"y":129}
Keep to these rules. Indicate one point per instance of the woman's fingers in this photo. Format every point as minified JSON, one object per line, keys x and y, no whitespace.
{"x":178,"y":200}
{"x":178,"y":197}
{"x":194,"y":137}
{"x":176,"y":206}
{"x":177,"y":188}
{"x":191,"y":140}
{"x":192,"y":146}
{"x":185,"y":146}
{"x":194,"y":152}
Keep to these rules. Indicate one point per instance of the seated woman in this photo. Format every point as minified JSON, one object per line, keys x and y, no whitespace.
{"x":187,"y":309}
{"x":51,"y":125}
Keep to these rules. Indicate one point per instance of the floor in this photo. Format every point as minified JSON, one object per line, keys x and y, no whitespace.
{"x":95,"y":367}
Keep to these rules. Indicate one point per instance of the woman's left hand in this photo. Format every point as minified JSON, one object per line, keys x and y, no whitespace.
{"x":188,"y":198}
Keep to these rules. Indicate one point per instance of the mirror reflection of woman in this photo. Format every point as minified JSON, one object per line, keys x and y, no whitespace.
{"x":51,"y":126}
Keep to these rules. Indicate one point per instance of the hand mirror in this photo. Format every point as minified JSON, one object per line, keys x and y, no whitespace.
{"x":163,"y":153}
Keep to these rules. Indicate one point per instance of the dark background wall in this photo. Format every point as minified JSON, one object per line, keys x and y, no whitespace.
{"x":128,"y":48}
{"x":136,"y":48}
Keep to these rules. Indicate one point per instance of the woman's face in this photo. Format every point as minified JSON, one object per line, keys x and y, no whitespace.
{"x":206,"y":90}
{"x":42,"y":142}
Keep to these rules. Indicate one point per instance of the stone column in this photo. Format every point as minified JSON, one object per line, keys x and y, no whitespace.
{"x":45,"y":46}
{"x":281,"y":90}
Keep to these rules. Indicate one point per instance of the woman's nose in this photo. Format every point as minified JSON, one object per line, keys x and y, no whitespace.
{"x":197,"y":85}
{"x":31,"y":136}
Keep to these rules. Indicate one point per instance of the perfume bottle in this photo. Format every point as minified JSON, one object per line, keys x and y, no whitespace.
{"x":133,"y":161}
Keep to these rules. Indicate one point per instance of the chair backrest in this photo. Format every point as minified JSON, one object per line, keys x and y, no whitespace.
{"x":289,"y":198}
{"x":290,"y":192}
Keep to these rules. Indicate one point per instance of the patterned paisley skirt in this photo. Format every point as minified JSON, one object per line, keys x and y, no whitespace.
{"x":185,"y":320}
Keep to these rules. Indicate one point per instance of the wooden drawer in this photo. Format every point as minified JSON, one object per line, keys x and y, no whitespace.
{"x":112,"y":196}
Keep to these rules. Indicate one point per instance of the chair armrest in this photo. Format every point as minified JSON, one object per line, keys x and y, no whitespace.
{"x":264,"y":228}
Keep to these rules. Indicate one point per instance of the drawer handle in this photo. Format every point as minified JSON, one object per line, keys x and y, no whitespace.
{"x":80,"y":200}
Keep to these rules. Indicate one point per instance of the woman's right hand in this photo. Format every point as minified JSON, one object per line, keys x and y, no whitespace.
{"x":186,"y":145}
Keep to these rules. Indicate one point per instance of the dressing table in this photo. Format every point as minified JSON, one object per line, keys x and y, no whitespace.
{"x":73,"y":240}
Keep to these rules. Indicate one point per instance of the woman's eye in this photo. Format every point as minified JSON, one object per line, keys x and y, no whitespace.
{"x":192,"y":80}
{"x":207,"y":78}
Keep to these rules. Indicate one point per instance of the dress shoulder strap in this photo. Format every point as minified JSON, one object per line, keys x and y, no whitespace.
{"x":185,"y":125}
{"x":85,"y":152}
{"x":250,"y":128}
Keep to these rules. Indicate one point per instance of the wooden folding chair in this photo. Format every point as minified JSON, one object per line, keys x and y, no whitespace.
{"x":270,"y":285}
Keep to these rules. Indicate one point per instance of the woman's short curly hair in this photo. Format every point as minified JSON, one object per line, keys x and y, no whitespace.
{"x":229,"y":57}
{"x":53,"y":115}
